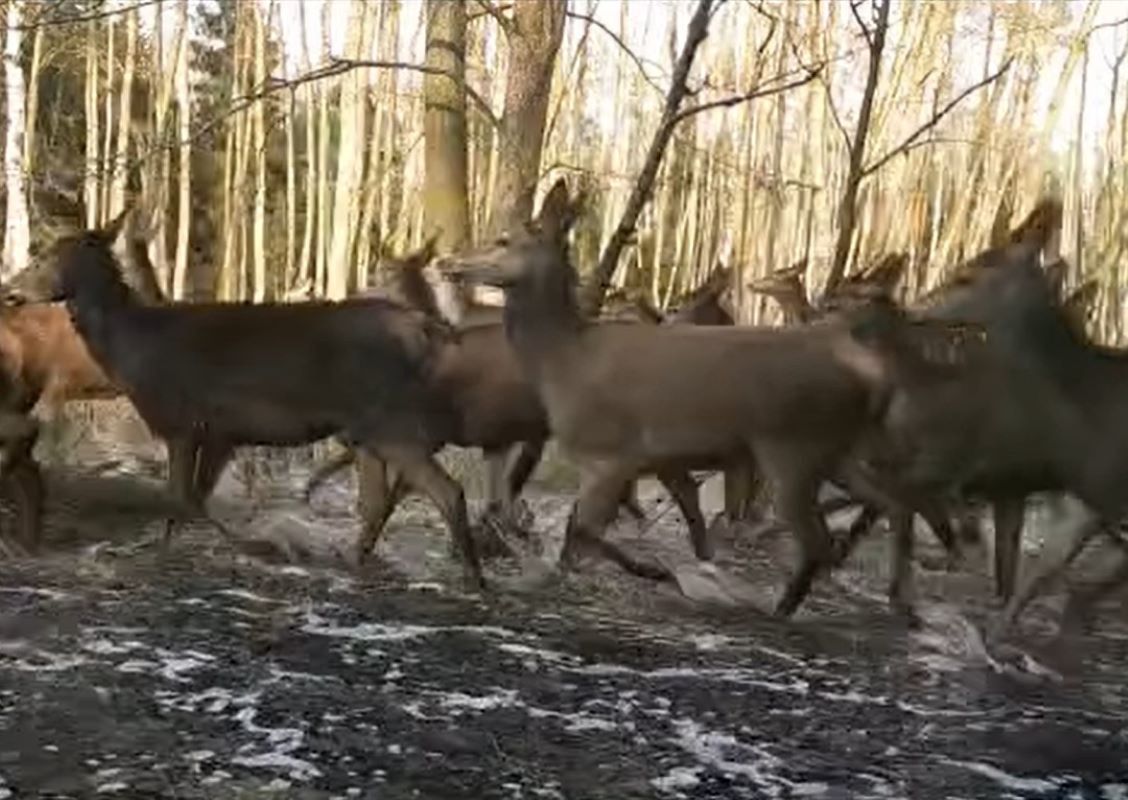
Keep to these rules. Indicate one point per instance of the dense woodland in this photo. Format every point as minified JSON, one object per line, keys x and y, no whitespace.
{"x":272,"y":162}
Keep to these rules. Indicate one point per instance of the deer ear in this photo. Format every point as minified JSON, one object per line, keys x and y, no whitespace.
{"x":555,"y":210}
{"x":425,"y":254}
{"x":1040,"y":225}
{"x":115,"y":227}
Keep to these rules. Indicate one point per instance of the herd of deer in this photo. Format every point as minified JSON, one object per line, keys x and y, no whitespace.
{"x":987,"y":392}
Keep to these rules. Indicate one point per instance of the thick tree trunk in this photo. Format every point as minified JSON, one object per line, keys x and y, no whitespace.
{"x":17,"y":237}
{"x":445,"y":203}
{"x":350,"y":156}
{"x":848,"y":205}
{"x":534,"y":34}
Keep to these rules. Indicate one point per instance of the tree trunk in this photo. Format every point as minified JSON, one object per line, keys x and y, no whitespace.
{"x":108,"y":136}
{"x":848,"y":205}
{"x":90,"y":176}
{"x":258,"y":121}
{"x":644,"y":185}
{"x":350,"y":156}
{"x":445,"y":202}
{"x":33,"y":100}
{"x":125,"y":114}
{"x":534,"y":34}
{"x":17,"y":236}
{"x":184,"y":132}
{"x":305,"y":259}
{"x":322,"y":162}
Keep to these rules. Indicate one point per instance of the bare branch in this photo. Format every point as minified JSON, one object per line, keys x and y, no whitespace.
{"x":45,"y":21}
{"x":641,"y":192}
{"x":497,"y":12}
{"x":911,"y":139}
{"x":861,"y":22}
{"x":1115,"y":24}
{"x":588,"y":18}
{"x":763,"y":90}
{"x":481,"y":102}
{"x":834,"y":115}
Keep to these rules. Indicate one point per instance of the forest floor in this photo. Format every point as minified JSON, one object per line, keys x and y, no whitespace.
{"x":195,"y":671}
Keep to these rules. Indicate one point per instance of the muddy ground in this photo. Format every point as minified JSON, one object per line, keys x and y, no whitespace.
{"x":198,"y":671}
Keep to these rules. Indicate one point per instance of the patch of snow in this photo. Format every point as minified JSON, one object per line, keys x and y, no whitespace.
{"x":676,"y":779}
{"x":710,"y":641}
{"x":243,"y":594}
{"x":1114,"y":791}
{"x":54,"y":595}
{"x":392,"y":632}
{"x":1005,"y":779}
{"x":107,"y":647}
{"x":112,"y":788}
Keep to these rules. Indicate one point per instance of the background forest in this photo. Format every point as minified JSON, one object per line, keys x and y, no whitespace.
{"x":277,"y":146}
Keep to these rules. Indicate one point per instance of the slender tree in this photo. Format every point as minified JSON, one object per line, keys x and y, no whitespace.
{"x":17,"y":235}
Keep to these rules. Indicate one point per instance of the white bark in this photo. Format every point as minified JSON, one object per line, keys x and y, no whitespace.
{"x":125,"y":117}
{"x":17,"y":237}
{"x":184,"y":131}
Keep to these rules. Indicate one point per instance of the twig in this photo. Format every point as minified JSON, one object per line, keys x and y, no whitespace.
{"x":759,"y":91}
{"x":481,"y":102}
{"x":861,"y":23}
{"x":497,"y":12}
{"x":1115,"y":24}
{"x":588,"y":18}
{"x":74,"y":19}
{"x":935,"y":119}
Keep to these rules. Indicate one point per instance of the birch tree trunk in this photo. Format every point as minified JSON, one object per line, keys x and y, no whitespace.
{"x":125,"y":114}
{"x":90,"y":174}
{"x":534,"y":34}
{"x":305,"y":259}
{"x":108,"y":141}
{"x":350,"y":157}
{"x":184,"y":132}
{"x":33,"y":100}
{"x":322,"y":162}
{"x":445,"y":202}
{"x":17,"y":236}
{"x":258,"y":122}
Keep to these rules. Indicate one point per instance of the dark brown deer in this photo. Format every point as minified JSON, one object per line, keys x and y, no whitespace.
{"x":44,"y":364}
{"x":228,"y":375}
{"x":1043,"y":412}
{"x":797,"y":400}
{"x":495,"y":409}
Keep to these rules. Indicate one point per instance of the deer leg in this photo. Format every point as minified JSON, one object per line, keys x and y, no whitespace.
{"x":211,"y":459}
{"x":374,"y":479}
{"x":383,"y":489}
{"x":795,"y":473}
{"x":600,"y":492}
{"x":630,"y":502}
{"x":1079,"y":606}
{"x":520,"y":470}
{"x":1009,"y":515}
{"x":900,"y":584}
{"x":1049,"y":569}
{"x":740,"y":489}
{"x":424,"y":474}
{"x":326,"y":471}
{"x":21,"y":474}
{"x":683,"y":489}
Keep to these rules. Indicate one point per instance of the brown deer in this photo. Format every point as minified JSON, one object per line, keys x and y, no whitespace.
{"x":797,"y":400}
{"x":224,"y":375}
